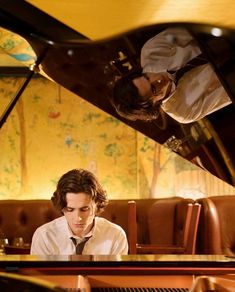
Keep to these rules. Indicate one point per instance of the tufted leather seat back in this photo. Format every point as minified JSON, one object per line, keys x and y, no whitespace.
{"x":217,"y":226}
{"x":159,"y":220}
{"x":166,"y":218}
{"x":117,"y":212}
{"x":20,"y":218}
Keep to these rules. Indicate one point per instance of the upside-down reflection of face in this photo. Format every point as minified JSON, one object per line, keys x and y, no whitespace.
{"x":154,"y":86}
{"x":79,"y":212}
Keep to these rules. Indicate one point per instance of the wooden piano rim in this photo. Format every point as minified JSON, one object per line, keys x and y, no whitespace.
{"x":130,"y":270}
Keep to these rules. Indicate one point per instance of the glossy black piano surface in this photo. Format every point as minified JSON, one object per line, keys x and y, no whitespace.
{"x":119,"y":264}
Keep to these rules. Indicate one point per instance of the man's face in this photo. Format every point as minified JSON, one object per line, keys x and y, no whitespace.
{"x":79,"y":213}
{"x":154,"y":86}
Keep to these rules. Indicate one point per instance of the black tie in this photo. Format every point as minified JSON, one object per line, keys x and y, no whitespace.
{"x":197,"y":61}
{"x":80,"y":246}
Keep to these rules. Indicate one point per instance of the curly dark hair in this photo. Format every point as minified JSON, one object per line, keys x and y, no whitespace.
{"x":79,"y":181}
{"x":129,"y":103}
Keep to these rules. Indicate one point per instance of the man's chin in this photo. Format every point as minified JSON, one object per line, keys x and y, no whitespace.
{"x":78,"y":230}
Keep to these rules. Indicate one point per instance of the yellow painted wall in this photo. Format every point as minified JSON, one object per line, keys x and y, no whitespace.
{"x":62,"y":132}
{"x":51,"y":131}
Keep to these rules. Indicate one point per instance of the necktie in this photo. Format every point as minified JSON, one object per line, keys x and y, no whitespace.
{"x":80,"y":246}
{"x":197,"y":61}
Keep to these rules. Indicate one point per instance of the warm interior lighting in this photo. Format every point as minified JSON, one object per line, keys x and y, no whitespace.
{"x":217,"y":32}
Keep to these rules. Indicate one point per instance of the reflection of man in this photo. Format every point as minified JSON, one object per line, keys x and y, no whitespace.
{"x":80,"y":197}
{"x":196,"y":93}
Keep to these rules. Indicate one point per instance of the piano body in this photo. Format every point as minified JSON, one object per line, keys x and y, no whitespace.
{"x":88,"y":65}
{"x":121,"y":273}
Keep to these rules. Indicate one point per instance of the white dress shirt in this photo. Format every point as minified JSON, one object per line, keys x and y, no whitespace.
{"x":199,"y":91}
{"x":54,"y":238}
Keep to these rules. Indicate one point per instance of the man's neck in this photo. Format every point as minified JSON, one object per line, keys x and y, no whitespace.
{"x":86,"y":231}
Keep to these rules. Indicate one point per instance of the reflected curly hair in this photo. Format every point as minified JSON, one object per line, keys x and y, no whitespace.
{"x":129,"y":103}
{"x":79,"y":181}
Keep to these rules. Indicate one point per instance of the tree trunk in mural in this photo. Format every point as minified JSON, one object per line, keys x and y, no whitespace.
{"x":156,"y":169}
{"x":22,"y":136}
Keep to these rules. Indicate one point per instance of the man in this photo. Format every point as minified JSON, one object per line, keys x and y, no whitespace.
{"x":193,"y":95}
{"x":79,"y":197}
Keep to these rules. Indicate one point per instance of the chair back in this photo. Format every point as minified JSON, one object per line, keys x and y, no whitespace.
{"x":184,"y":226}
{"x":216,"y":226}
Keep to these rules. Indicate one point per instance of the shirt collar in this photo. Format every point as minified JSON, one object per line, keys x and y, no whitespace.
{"x":173,"y":88}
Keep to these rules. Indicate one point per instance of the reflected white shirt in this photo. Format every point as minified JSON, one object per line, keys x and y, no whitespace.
{"x":54,"y":238}
{"x":199,"y":91}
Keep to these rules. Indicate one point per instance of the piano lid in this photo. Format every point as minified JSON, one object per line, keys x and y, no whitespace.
{"x":90,"y":69}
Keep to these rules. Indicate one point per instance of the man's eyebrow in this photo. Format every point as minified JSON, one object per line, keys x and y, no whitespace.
{"x":85,"y":206}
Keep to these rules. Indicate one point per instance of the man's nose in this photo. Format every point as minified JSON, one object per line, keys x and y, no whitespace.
{"x":79,"y":216}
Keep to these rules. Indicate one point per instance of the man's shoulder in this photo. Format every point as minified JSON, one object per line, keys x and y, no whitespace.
{"x":56,"y":223}
{"x":166,"y":42}
{"x":105,"y":223}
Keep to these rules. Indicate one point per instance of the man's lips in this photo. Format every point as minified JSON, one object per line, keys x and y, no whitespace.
{"x":79,"y":225}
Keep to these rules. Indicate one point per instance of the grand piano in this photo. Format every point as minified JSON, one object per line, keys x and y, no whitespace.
{"x":89,"y":68}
